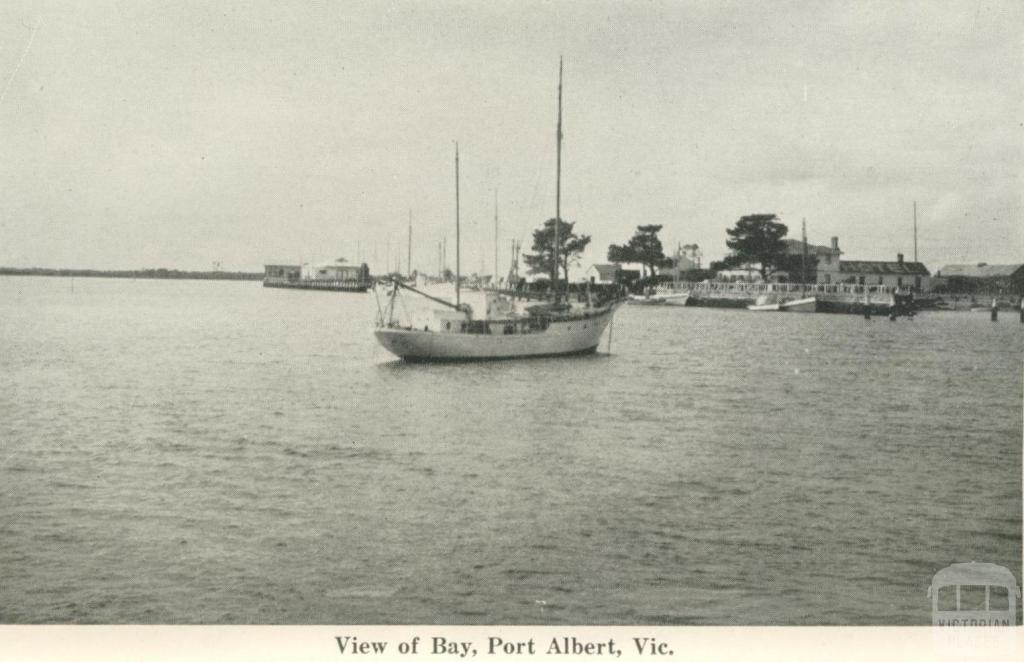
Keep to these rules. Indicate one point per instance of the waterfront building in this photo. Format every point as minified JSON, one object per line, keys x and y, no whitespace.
{"x":829,"y":257}
{"x":823,"y":253}
{"x":331,"y":277}
{"x":609,"y":274}
{"x":982,"y":277}
{"x":282,"y":273}
{"x":900,"y":274}
{"x":332,"y":272}
{"x":603,"y":274}
{"x":832,"y":268}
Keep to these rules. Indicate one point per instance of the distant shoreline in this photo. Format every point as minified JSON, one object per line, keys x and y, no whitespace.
{"x":175,"y":274}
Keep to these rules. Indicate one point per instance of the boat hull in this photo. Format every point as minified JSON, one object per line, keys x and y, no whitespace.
{"x":658,"y":300}
{"x":646,"y":301}
{"x":809,"y":305}
{"x":561,"y":338}
{"x":676,"y":299}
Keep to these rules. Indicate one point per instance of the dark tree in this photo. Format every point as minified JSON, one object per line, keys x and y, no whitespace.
{"x":643,"y":247}
{"x":571,"y":246}
{"x":794,"y":266}
{"x":621,"y":254}
{"x":757,"y":239}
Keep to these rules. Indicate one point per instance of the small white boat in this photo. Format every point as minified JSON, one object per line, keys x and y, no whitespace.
{"x":806,"y":305}
{"x":676,"y":298}
{"x":659,"y":299}
{"x":645,"y":300}
{"x":766,"y":303}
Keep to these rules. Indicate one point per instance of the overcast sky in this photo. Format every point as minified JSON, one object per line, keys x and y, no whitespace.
{"x":145,"y":134}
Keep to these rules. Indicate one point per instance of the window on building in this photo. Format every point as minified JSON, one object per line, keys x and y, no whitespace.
{"x":917,"y":281}
{"x":828,"y":278}
{"x":860,"y":280}
{"x":899,"y":281}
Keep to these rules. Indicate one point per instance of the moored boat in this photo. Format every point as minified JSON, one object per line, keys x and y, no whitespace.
{"x":508,"y":328}
{"x":765,"y":303}
{"x":511,"y":331}
{"x":676,"y":298}
{"x":659,"y":299}
{"x":768,"y":303}
{"x":805,"y":305}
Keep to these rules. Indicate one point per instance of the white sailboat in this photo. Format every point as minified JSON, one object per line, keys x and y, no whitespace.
{"x":507,"y":328}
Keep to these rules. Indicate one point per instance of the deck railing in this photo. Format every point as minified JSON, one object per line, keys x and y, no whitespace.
{"x":317,"y":283}
{"x":789,"y":288}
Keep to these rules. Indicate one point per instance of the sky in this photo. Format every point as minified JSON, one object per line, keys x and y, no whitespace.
{"x":189,"y":134}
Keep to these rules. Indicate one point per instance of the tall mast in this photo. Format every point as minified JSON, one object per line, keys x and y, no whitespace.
{"x":558,"y":181}
{"x":675,"y":271}
{"x":915,"y":230}
{"x":803,"y":258}
{"x":408,"y":258}
{"x":458,"y":266}
{"x":495,"y":237}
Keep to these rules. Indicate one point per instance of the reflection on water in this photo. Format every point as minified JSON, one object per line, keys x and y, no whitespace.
{"x":213,"y":452}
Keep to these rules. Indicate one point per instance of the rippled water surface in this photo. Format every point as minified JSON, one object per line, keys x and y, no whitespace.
{"x":216,"y":452}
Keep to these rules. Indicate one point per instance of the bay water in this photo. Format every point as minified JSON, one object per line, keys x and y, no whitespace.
{"x":216,"y":452}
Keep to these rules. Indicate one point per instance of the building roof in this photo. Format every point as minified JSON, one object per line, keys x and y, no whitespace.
{"x":606,"y":271}
{"x":796,"y":247}
{"x":321,"y":265}
{"x":980,"y":270}
{"x":869,"y":267}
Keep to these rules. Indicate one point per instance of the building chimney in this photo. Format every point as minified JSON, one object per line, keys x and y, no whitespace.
{"x":899,"y":257}
{"x":835,"y":243}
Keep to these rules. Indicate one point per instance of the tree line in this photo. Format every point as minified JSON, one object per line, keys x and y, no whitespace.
{"x":756,"y":241}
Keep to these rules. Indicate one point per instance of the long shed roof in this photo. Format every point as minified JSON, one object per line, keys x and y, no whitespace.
{"x":981,"y":270}
{"x":869,"y":267}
